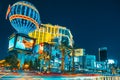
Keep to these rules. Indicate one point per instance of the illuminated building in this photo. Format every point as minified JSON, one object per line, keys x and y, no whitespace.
{"x":24,"y":18}
{"x":89,"y":61}
{"x":78,"y":58}
{"x":52,"y":34}
{"x":84,"y":62}
{"x":48,"y":32}
{"x":102,"y":55}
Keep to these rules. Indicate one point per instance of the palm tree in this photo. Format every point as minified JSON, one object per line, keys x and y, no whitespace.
{"x":41,"y":57}
{"x":64,"y":46}
{"x":73,"y":54}
{"x":48,"y":52}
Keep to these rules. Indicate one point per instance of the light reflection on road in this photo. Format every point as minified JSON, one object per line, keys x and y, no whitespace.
{"x":72,"y":78}
{"x":27,"y":76}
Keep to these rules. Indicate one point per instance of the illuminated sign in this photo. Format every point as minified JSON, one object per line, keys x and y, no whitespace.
{"x":21,"y":42}
{"x":79,"y":52}
{"x":24,"y":43}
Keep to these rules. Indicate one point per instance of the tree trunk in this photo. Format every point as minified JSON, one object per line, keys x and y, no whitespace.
{"x":73,"y":54}
{"x":62,"y":64}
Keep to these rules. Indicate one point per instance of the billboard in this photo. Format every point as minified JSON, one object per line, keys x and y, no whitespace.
{"x":24,"y":43}
{"x":21,"y":42}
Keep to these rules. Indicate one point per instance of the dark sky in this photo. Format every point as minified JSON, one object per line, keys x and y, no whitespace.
{"x":93,"y":23}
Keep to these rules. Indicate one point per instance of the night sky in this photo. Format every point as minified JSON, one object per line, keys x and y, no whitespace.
{"x":93,"y":23}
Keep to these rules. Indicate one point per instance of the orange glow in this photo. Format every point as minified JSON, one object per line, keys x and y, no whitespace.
{"x":24,"y":17}
{"x":8,"y":11}
{"x":28,"y":44}
{"x":41,"y":48}
{"x":40,"y":51}
{"x":26,"y":66}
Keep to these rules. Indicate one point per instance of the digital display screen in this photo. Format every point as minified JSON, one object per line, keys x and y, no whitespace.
{"x":24,"y":43}
{"x":11,"y":43}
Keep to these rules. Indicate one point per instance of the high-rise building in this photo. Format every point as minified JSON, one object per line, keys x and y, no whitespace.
{"x":78,"y":58}
{"x":48,"y":32}
{"x":102,"y":54}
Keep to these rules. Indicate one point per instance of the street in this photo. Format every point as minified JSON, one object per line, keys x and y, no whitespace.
{"x":36,"y":76}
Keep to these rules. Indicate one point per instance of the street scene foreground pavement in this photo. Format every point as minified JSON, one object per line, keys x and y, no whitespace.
{"x":39,"y":76}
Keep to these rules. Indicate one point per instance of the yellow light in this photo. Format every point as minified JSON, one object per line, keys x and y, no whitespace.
{"x":31,"y":41}
{"x":26,"y":66}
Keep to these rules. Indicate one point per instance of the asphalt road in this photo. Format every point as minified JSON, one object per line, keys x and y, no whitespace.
{"x":34,"y":76}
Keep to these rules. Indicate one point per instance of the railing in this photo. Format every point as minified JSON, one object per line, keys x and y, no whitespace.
{"x":107,"y":78}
